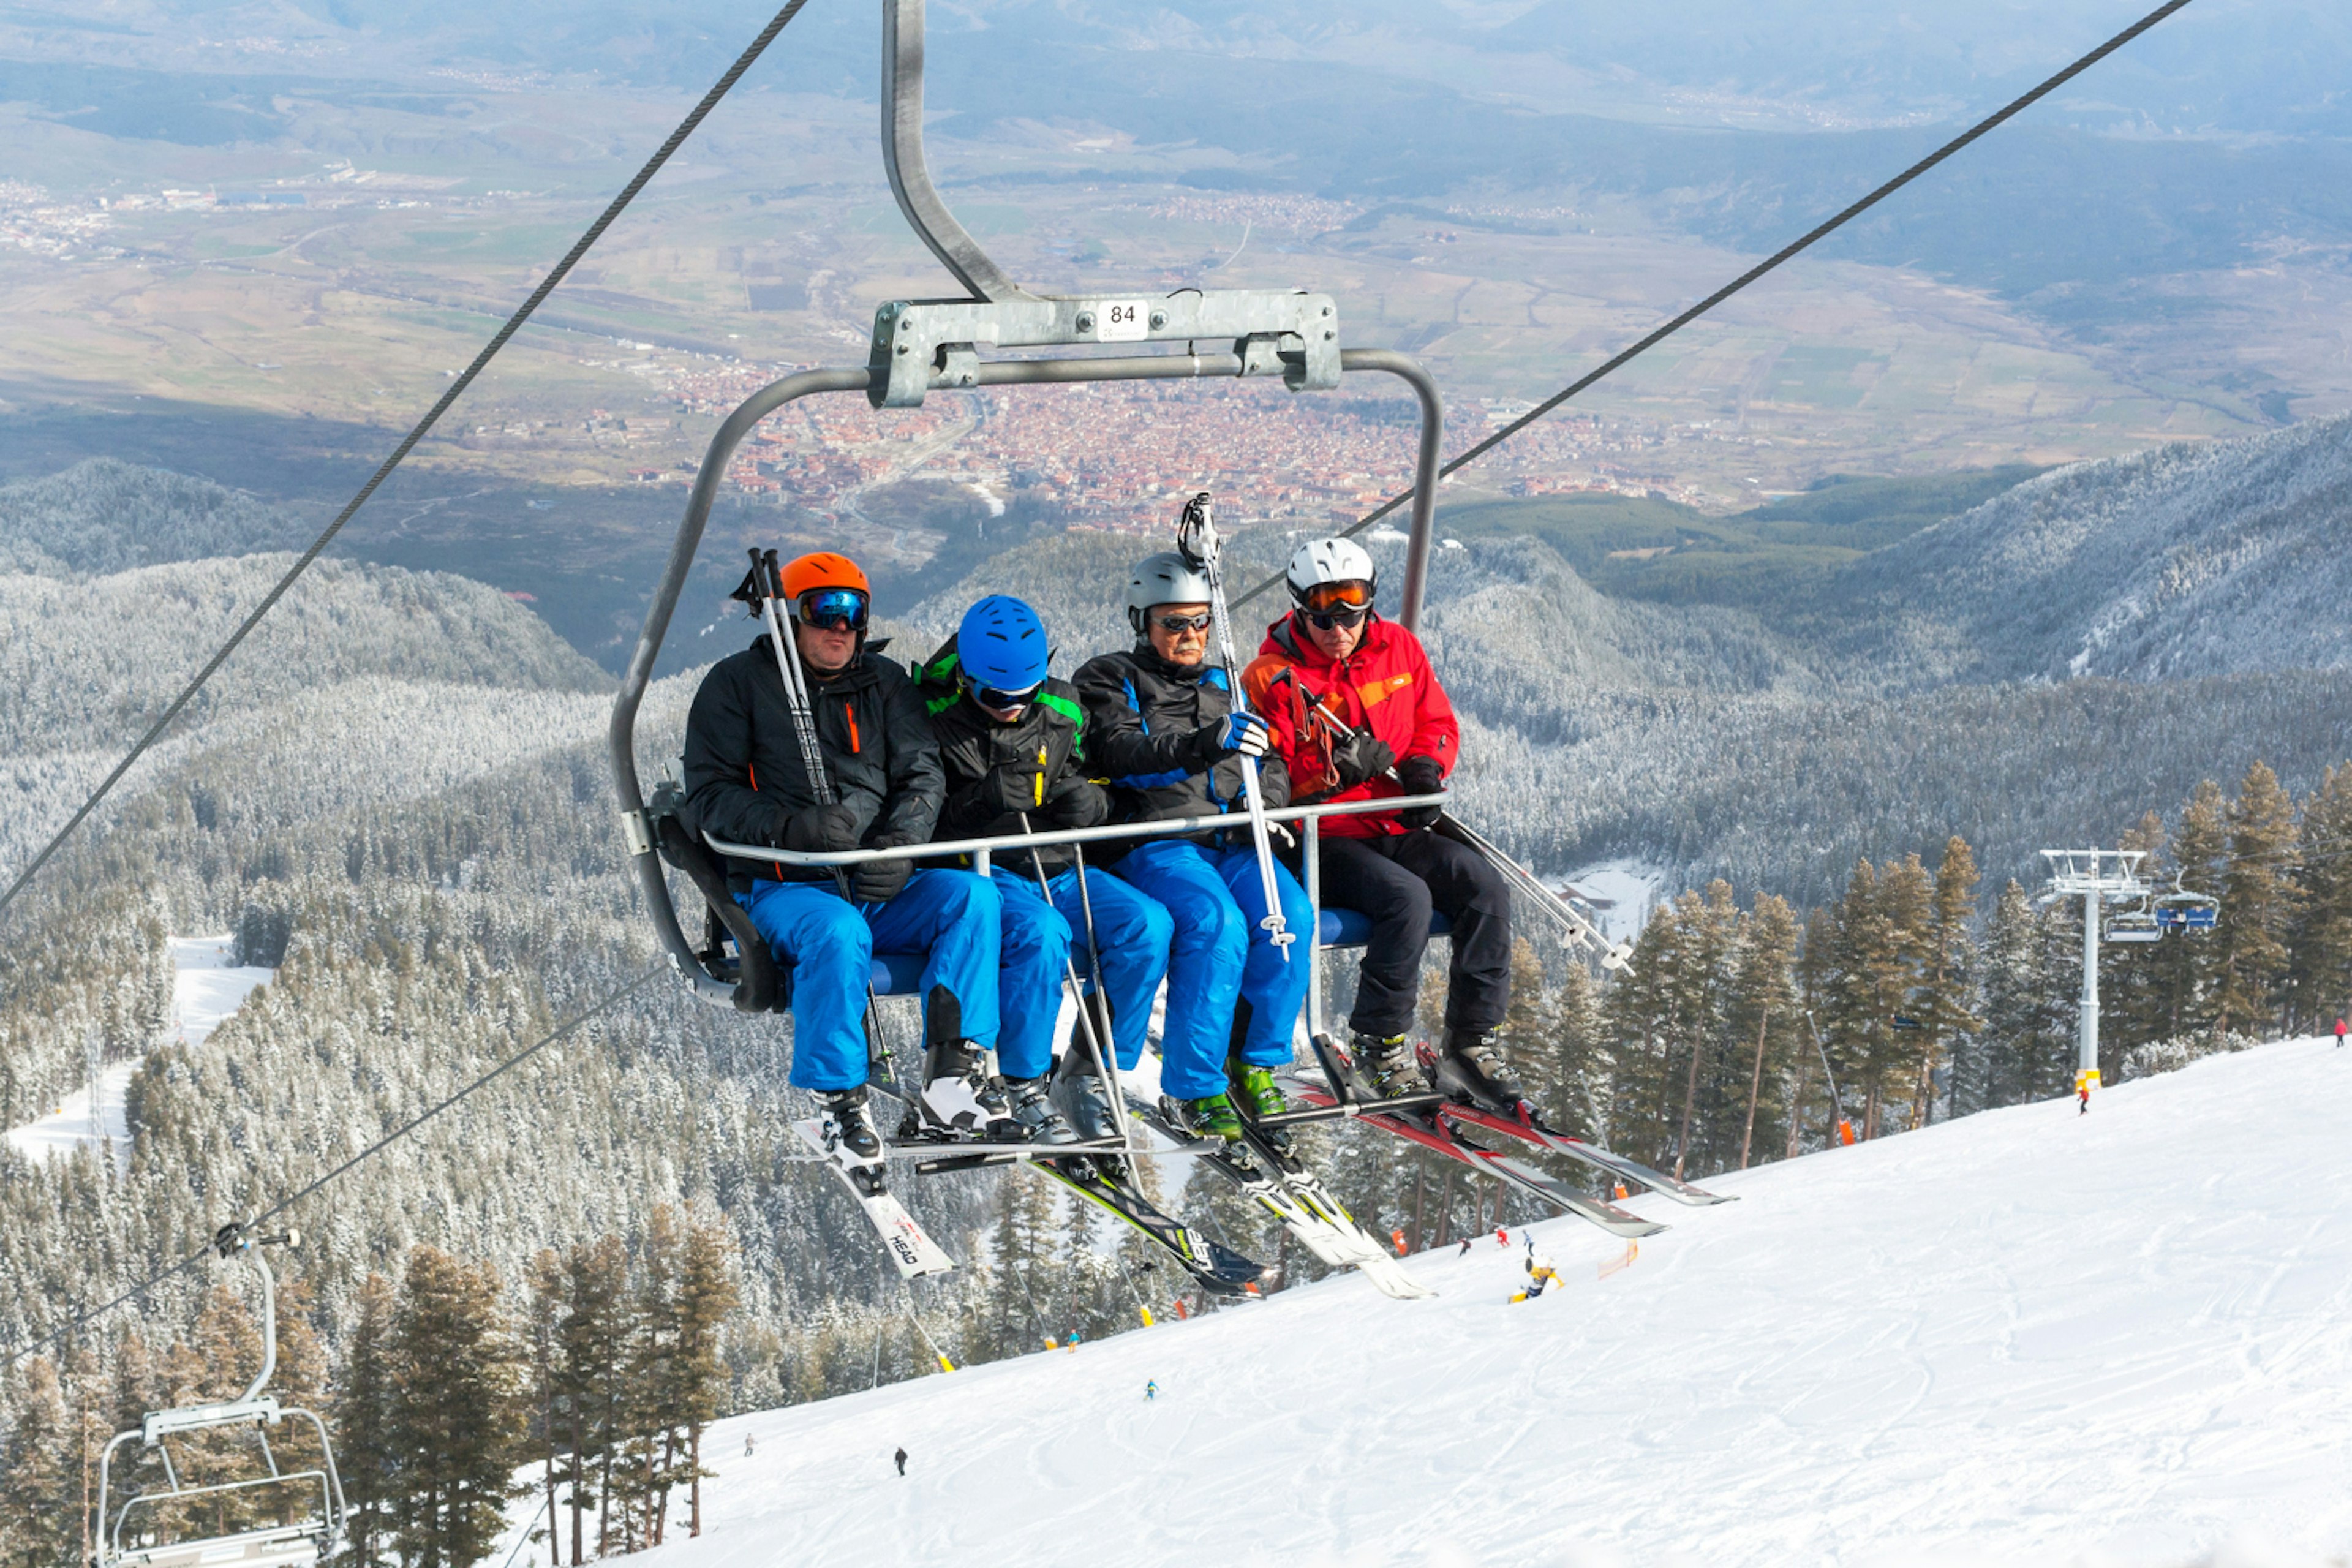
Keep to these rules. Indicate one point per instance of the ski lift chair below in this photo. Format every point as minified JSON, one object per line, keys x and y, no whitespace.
{"x":311,"y":1529}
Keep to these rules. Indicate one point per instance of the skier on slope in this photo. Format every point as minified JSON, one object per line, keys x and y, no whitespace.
{"x":1161,"y":723}
{"x":745,"y":783}
{"x":1370,"y":676}
{"x":1012,"y":741}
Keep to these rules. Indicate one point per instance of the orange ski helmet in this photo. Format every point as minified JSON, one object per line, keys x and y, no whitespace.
{"x":822,"y":570}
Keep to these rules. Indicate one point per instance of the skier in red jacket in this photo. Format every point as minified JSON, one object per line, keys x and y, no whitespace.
{"x":1368,"y":675}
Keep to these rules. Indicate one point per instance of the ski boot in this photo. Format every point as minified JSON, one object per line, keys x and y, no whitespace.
{"x":1255,"y":1095}
{"x":1471,"y":1067}
{"x":851,"y":1136}
{"x":959,"y":1098}
{"x":1211,"y":1116}
{"x":1030,"y":1102}
{"x":1079,"y":1095}
{"x":1385,"y":1066}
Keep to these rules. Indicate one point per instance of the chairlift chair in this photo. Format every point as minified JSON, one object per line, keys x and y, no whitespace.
{"x":136,"y":1535}
{"x":2135,"y":926}
{"x":2182,"y":910}
{"x":920,"y":346}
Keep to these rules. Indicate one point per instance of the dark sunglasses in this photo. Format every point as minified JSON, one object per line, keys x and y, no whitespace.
{"x":1198,"y":623}
{"x":833,"y":609}
{"x":1324,"y":620}
{"x":989,"y":697}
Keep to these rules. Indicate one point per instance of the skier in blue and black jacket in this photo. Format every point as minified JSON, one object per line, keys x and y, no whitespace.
{"x":1012,"y":741}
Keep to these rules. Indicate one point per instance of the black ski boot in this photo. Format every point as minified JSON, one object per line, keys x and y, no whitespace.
{"x":959,"y":1096}
{"x":1079,"y":1095}
{"x":1031,"y":1104}
{"x":1471,"y":1067}
{"x":851,"y":1138}
{"x":1386,"y":1067}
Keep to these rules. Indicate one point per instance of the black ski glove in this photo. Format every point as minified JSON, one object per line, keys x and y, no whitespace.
{"x":1013,"y":786}
{"x":880,"y":881}
{"x":821,"y":829}
{"x":1420,"y":775}
{"x":1077,"y":803}
{"x":1361,"y":756}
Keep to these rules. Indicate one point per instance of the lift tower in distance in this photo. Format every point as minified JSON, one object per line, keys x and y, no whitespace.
{"x":2097,"y":876}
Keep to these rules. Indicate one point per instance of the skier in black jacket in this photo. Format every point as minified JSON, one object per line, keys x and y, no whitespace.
{"x":746,"y":783}
{"x":1161,"y":723}
{"x":1012,"y":741}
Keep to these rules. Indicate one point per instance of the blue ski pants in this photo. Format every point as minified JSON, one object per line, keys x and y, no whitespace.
{"x":951,"y":918}
{"x":1220,"y":955}
{"x":1134,"y":931}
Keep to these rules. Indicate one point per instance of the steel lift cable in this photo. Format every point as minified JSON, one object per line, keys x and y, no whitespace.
{"x":1806,"y":242}
{"x":555,"y":276}
{"x":565,"y":1030}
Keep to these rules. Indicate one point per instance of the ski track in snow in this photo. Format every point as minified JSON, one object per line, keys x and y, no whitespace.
{"x":205,"y":989}
{"x":2023,"y":1337}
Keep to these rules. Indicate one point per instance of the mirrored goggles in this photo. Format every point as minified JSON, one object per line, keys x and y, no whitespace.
{"x":1355,"y":593}
{"x":998,"y":700}
{"x":831,"y":609}
{"x":1177,"y":625}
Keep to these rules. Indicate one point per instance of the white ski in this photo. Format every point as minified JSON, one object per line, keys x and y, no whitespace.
{"x":911,"y":1250}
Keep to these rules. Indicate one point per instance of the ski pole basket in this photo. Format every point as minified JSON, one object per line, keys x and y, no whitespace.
{"x":268,"y":1516}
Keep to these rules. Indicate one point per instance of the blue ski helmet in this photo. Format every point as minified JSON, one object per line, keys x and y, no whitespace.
{"x":1002,"y":644}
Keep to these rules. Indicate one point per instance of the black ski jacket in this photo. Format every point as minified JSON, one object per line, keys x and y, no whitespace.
{"x":1151,"y":729}
{"x":996,"y":771}
{"x":743,"y":776}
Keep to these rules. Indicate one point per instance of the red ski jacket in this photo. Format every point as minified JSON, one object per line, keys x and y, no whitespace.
{"x":1386,"y":684}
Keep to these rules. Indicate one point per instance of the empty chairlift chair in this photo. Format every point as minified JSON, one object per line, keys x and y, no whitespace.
{"x":268,"y":1516}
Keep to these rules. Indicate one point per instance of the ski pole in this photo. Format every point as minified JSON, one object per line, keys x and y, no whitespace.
{"x":804,"y":740}
{"x":1105,"y":1063}
{"x":1196,"y":539}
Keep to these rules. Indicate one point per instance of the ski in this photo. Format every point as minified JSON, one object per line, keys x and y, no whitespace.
{"x":1430,"y":1131}
{"x":910,"y":1247}
{"x":1526,"y":1126}
{"x":1359,"y":1248}
{"x":1332,"y":1245}
{"x":1215,"y":1266}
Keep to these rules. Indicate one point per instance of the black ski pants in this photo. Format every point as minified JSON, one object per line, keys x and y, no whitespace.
{"x":1396,"y":880}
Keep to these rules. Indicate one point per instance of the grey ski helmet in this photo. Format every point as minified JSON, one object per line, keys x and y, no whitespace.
{"x":1163,"y":579}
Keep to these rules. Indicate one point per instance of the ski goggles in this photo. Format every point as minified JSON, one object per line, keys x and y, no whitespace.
{"x":1178,"y":624}
{"x":1354,"y":593}
{"x":996,"y":699}
{"x":831,"y":609}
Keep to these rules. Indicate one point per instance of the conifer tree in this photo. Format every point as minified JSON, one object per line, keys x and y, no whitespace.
{"x":1947,"y":986}
{"x":457,"y":1410}
{"x":1906,"y":898}
{"x":2259,"y":893}
{"x":1766,"y":1016}
{"x":2187,"y":971}
{"x":367,"y":1452}
{"x":2320,"y":967}
{"x":543,"y":1348}
{"x":595,"y":1334}
{"x":40,"y":1507}
{"x":707,"y":1293}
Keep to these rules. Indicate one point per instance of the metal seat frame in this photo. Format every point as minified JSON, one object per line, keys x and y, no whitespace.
{"x":312,"y":1540}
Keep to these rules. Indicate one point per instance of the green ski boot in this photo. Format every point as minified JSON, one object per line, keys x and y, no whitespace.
{"x":1212,"y":1116}
{"x":1255,"y":1088}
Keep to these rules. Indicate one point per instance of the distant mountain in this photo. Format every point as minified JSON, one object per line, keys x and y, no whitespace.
{"x":2184,"y":562}
{"x":104,"y":515}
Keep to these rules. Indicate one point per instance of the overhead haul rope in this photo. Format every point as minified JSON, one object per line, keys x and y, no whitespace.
{"x":570,"y":1027}
{"x":1769,"y":263}
{"x":686,"y":128}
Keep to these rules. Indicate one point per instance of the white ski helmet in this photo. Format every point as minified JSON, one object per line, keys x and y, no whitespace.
{"x":1322,"y":560}
{"x":1166,"y":578}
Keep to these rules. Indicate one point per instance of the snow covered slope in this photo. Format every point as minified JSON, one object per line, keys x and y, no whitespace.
{"x":2023,"y":1337}
{"x":207,"y":988}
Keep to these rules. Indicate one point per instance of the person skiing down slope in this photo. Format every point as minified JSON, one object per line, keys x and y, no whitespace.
{"x":1331,"y":665}
{"x":745,"y":781}
{"x":1161,"y":724}
{"x":1012,"y":743}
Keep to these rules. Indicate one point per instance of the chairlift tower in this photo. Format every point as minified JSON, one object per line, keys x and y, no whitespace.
{"x":2099,"y":878}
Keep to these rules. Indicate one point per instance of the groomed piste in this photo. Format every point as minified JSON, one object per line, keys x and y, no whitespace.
{"x":2023,"y":1337}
